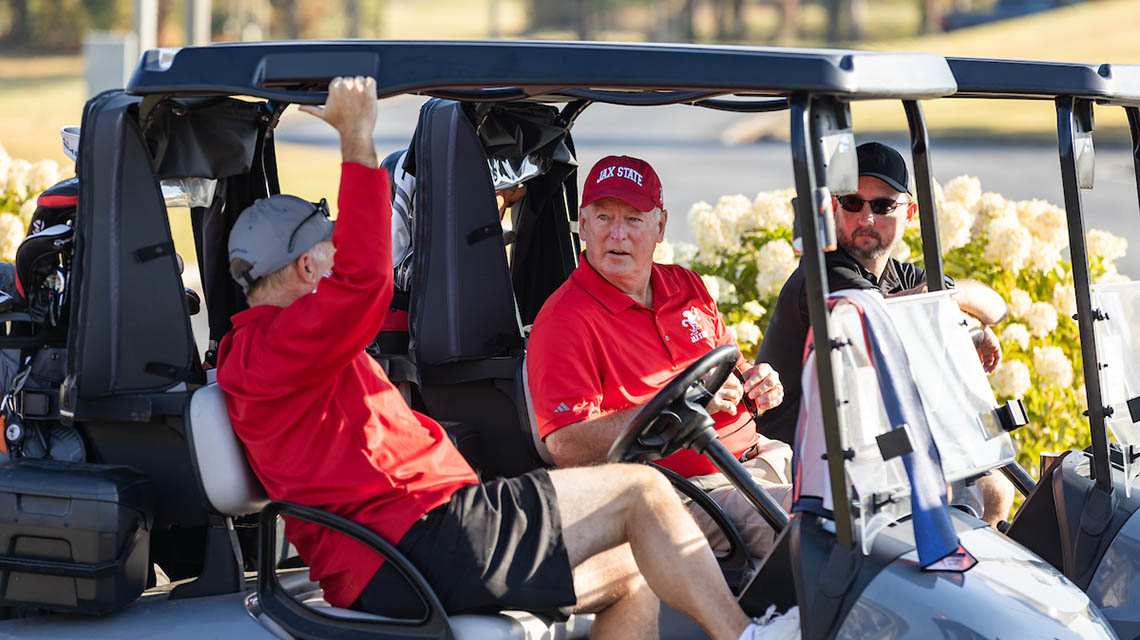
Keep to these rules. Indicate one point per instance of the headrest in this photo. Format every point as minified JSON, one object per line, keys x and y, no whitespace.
{"x":227,"y":481}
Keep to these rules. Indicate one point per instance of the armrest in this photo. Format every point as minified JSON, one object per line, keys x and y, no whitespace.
{"x":305,"y":622}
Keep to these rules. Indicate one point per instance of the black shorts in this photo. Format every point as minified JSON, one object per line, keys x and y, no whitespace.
{"x":494,"y":546}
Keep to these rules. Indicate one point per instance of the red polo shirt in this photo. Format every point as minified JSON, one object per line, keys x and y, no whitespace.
{"x":321,"y":424}
{"x":593,"y":350}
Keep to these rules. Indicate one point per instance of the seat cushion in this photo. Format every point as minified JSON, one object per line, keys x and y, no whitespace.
{"x":224,"y":475}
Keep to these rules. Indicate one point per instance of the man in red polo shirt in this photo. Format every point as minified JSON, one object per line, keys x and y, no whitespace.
{"x":323,"y":426}
{"x":621,"y":327}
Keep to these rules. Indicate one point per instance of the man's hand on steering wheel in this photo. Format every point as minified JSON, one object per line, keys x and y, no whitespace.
{"x":728,"y":398}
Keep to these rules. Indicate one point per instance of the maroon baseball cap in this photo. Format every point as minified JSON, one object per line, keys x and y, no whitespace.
{"x":630,"y":180}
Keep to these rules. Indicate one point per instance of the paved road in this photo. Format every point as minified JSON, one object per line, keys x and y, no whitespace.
{"x":684,"y":145}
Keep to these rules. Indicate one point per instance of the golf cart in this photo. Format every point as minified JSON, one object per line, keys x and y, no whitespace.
{"x":1081,"y":515}
{"x":163,"y":479}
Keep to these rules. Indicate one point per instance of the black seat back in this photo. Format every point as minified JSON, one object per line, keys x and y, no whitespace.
{"x":466,"y":334}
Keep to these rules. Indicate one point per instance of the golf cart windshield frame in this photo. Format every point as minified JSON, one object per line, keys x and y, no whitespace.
{"x":1074,"y":88}
{"x":816,"y":85}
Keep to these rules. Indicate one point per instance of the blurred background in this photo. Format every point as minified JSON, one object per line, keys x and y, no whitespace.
{"x":54,"y":54}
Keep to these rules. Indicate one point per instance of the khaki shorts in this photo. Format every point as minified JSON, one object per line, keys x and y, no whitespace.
{"x":772,"y":470}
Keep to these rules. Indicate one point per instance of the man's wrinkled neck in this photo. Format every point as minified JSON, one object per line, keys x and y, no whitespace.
{"x":638,"y":286}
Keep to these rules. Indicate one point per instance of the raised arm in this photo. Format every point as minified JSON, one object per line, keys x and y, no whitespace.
{"x":324,"y":330}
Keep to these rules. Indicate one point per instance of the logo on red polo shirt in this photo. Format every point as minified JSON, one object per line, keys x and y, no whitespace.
{"x":692,"y":322}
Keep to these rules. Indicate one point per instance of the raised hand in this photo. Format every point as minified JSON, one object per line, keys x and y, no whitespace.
{"x":351,"y":110}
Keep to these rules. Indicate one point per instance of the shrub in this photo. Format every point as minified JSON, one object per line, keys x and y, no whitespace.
{"x":21,"y":182}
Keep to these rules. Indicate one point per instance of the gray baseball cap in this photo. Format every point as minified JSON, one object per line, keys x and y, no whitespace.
{"x":274,"y":231}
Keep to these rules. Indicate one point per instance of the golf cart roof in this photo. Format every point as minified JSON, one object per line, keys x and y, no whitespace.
{"x":299,"y":72}
{"x":993,"y":78}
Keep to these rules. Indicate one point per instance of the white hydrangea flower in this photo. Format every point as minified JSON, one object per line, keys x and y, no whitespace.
{"x":1009,"y":247}
{"x":1019,"y":302}
{"x":1028,"y":210}
{"x":663,"y":253}
{"x":11,"y":235}
{"x":1052,"y":367}
{"x":1048,"y":223}
{"x":1106,"y":245}
{"x":42,"y":175}
{"x":1017,"y":334}
{"x":965,"y":190}
{"x":1041,"y":318}
{"x":994,"y":205}
{"x":734,"y":212}
{"x":773,"y":209}
{"x":754,"y":308}
{"x":707,"y":228}
{"x":18,"y":178}
{"x":775,"y":261}
{"x":954,"y":223}
{"x":747,"y":333}
{"x":1065,"y":298}
{"x":684,"y":253}
{"x":726,"y":291}
{"x":712,"y":285}
{"x":26,"y":211}
{"x":1010,"y":379}
{"x":1043,"y":257}
{"x":993,"y":213}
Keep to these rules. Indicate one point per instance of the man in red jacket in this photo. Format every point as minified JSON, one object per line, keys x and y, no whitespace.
{"x":323,"y":426}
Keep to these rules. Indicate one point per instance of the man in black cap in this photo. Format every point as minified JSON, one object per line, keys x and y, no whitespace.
{"x":868,"y":225}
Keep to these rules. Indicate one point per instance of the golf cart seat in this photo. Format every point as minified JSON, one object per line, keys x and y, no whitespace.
{"x":231,"y":489}
{"x":469,"y":304}
{"x":527,"y":417}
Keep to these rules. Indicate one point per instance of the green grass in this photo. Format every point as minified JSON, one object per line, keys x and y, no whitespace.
{"x":1094,"y":32}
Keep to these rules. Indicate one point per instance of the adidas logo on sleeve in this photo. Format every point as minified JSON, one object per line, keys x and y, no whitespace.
{"x":561,"y":408}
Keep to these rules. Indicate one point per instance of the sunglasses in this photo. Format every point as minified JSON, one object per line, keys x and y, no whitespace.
{"x":319,"y":208}
{"x":879,"y":206}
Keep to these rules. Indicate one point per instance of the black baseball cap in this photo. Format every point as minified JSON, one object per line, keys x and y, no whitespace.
{"x":880,"y":161}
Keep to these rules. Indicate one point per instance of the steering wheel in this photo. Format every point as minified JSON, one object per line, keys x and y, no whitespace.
{"x":676,"y":415}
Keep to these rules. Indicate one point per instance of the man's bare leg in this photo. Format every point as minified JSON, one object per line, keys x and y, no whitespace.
{"x":607,"y":506}
{"x":610,"y":585}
